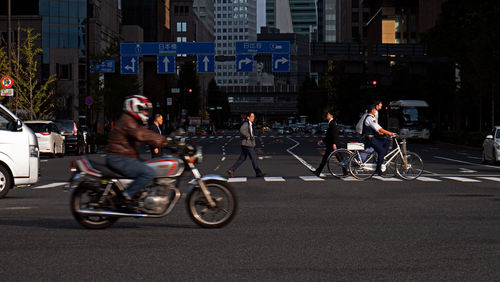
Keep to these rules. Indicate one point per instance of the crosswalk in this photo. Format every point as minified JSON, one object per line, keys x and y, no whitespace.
{"x":309,"y":178}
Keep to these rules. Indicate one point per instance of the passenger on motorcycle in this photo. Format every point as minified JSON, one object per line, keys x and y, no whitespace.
{"x":123,"y":144}
{"x":374,"y":136}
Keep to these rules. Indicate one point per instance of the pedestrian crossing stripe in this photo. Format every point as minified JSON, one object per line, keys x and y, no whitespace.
{"x":428,"y":179}
{"x":389,"y":179}
{"x":274,"y":179}
{"x":462,"y":179}
{"x":51,"y":185}
{"x":237,"y":179}
{"x":311,"y":178}
{"x":497,"y":179}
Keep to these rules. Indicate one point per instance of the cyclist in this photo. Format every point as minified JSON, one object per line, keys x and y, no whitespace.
{"x":374,"y":136}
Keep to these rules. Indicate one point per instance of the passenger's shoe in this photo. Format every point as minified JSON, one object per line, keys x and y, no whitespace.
{"x":230,"y":172}
{"x":260,"y":174}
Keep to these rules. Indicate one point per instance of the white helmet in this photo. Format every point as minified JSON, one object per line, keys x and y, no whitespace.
{"x":139,"y":107}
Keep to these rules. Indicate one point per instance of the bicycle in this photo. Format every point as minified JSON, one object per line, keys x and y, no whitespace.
{"x":407,"y":165}
{"x":337,"y":162}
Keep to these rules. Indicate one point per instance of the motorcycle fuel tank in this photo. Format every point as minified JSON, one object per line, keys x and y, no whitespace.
{"x":166,"y":166}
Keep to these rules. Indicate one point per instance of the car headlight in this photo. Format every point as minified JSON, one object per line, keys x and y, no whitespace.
{"x":34,"y":152}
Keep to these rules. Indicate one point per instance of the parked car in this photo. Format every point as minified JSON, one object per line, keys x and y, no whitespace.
{"x":50,"y":139}
{"x":491,"y":146}
{"x":74,"y":139}
{"x":19,"y":155}
{"x":348,"y":129}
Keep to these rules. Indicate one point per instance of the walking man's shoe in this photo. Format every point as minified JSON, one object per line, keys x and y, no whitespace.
{"x":260,"y":174}
{"x":230,"y":172}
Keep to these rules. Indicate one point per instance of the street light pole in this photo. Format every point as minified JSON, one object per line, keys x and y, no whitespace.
{"x":9,"y":36}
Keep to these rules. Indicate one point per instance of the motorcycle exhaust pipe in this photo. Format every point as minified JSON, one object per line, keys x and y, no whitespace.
{"x":112,"y":213}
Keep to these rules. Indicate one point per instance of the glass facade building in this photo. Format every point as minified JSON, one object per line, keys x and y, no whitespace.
{"x":63,"y":25}
{"x":304,"y":16}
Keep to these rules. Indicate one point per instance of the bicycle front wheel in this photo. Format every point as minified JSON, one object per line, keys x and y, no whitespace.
{"x":413,"y":168}
{"x":362,"y":165}
{"x":337,"y":162}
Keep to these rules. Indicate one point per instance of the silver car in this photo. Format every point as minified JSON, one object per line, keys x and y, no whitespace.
{"x":491,"y":146}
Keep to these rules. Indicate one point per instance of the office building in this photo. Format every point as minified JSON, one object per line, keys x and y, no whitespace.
{"x":303,"y":13}
{"x":233,"y":22}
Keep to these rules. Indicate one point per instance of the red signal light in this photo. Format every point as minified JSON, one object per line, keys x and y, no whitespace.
{"x":190,"y":90}
{"x":374,"y":82}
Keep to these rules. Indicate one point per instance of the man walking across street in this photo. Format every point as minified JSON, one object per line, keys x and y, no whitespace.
{"x":247,"y":147}
{"x":156,"y":127}
{"x":331,"y":140}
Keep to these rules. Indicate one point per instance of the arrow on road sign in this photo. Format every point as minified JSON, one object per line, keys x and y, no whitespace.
{"x":245,"y":61}
{"x":206,"y":61}
{"x":166,"y":61}
{"x":282,"y":60}
{"x":131,"y":68}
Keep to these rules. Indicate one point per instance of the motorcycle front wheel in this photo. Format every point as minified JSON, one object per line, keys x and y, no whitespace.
{"x":212,"y":217}
{"x":86,"y":197}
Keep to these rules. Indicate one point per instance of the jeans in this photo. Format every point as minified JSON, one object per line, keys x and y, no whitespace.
{"x":132,"y":168}
{"x":247,"y":151}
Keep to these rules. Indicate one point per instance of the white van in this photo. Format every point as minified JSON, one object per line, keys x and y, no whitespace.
{"x":19,"y":155}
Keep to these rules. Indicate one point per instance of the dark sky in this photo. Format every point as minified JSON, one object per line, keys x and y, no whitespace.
{"x":20,"y":7}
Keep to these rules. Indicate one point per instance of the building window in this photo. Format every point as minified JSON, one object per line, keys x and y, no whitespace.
{"x":63,"y":71}
{"x":181,"y":26}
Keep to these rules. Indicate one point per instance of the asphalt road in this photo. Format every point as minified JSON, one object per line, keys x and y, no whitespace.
{"x":290,"y":226}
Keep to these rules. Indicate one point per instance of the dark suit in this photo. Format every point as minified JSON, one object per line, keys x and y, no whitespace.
{"x":331,"y":137}
{"x":156,"y":129}
{"x":247,"y":148}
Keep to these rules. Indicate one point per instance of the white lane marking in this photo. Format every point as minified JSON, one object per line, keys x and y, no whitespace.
{"x":497,"y":179}
{"x":51,"y":185}
{"x":428,"y":179}
{"x":462,"y":179}
{"x":311,"y":178}
{"x":265,"y":157}
{"x":17,"y":208}
{"x":302,"y":161}
{"x":274,"y":179}
{"x":474,"y":158}
{"x":464,"y":162}
{"x":44,"y":161}
{"x":237,"y":179}
{"x":466,"y":170}
{"x":351,"y":178}
{"x":389,"y":179}
{"x":223,"y":159}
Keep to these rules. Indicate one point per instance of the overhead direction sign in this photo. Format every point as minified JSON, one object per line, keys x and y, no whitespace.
{"x":244,"y":63}
{"x":165,"y":64}
{"x":167,"y":48}
{"x":129,"y":65}
{"x":281,"y":62}
{"x":268,"y":47}
{"x":206,"y":63}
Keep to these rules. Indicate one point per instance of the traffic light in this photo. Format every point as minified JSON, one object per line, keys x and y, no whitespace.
{"x":190,"y":90}
{"x":374,"y":83}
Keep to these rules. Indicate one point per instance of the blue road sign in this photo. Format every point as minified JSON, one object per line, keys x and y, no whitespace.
{"x":206,"y":63}
{"x":165,"y":64}
{"x":89,"y":101}
{"x":129,"y":64}
{"x":105,"y":66}
{"x":268,"y":47}
{"x":244,"y":63}
{"x":281,"y":62}
{"x":167,"y":48}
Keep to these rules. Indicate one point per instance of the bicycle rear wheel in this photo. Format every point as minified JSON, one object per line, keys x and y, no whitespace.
{"x":362,"y":165}
{"x":413,"y":169}
{"x":337,"y":162}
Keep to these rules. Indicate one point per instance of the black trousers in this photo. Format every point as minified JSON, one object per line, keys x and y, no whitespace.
{"x":247,"y":151}
{"x":324,"y":160}
{"x":380,"y":144}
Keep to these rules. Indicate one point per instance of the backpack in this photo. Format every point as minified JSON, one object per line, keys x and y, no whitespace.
{"x":361,"y":124}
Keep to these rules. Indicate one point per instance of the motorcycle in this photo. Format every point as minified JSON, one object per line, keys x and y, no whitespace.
{"x":98,"y":191}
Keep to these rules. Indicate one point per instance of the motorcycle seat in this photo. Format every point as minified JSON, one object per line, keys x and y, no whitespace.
{"x":105,"y":170}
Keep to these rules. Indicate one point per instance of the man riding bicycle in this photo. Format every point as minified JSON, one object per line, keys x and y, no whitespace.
{"x":373,"y":134}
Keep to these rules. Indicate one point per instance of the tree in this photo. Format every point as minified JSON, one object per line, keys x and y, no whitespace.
{"x":31,"y":95}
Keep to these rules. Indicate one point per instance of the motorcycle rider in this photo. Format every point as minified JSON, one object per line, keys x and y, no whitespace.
{"x":123,"y":144}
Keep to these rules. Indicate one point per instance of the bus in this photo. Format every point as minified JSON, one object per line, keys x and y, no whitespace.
{"x":409,"y":118}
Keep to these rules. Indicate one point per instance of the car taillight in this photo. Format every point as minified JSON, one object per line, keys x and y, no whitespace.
{"x":45,"y":133}
{"x":75,"y":129}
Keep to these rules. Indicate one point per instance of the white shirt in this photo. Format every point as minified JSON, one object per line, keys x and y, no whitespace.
{"x":371,"y":121}
{"x":251,"y":129}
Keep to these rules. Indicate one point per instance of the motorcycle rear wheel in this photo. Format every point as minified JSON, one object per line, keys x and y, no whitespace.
{"x":205,"y":216}
{"x":87,"y":197}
